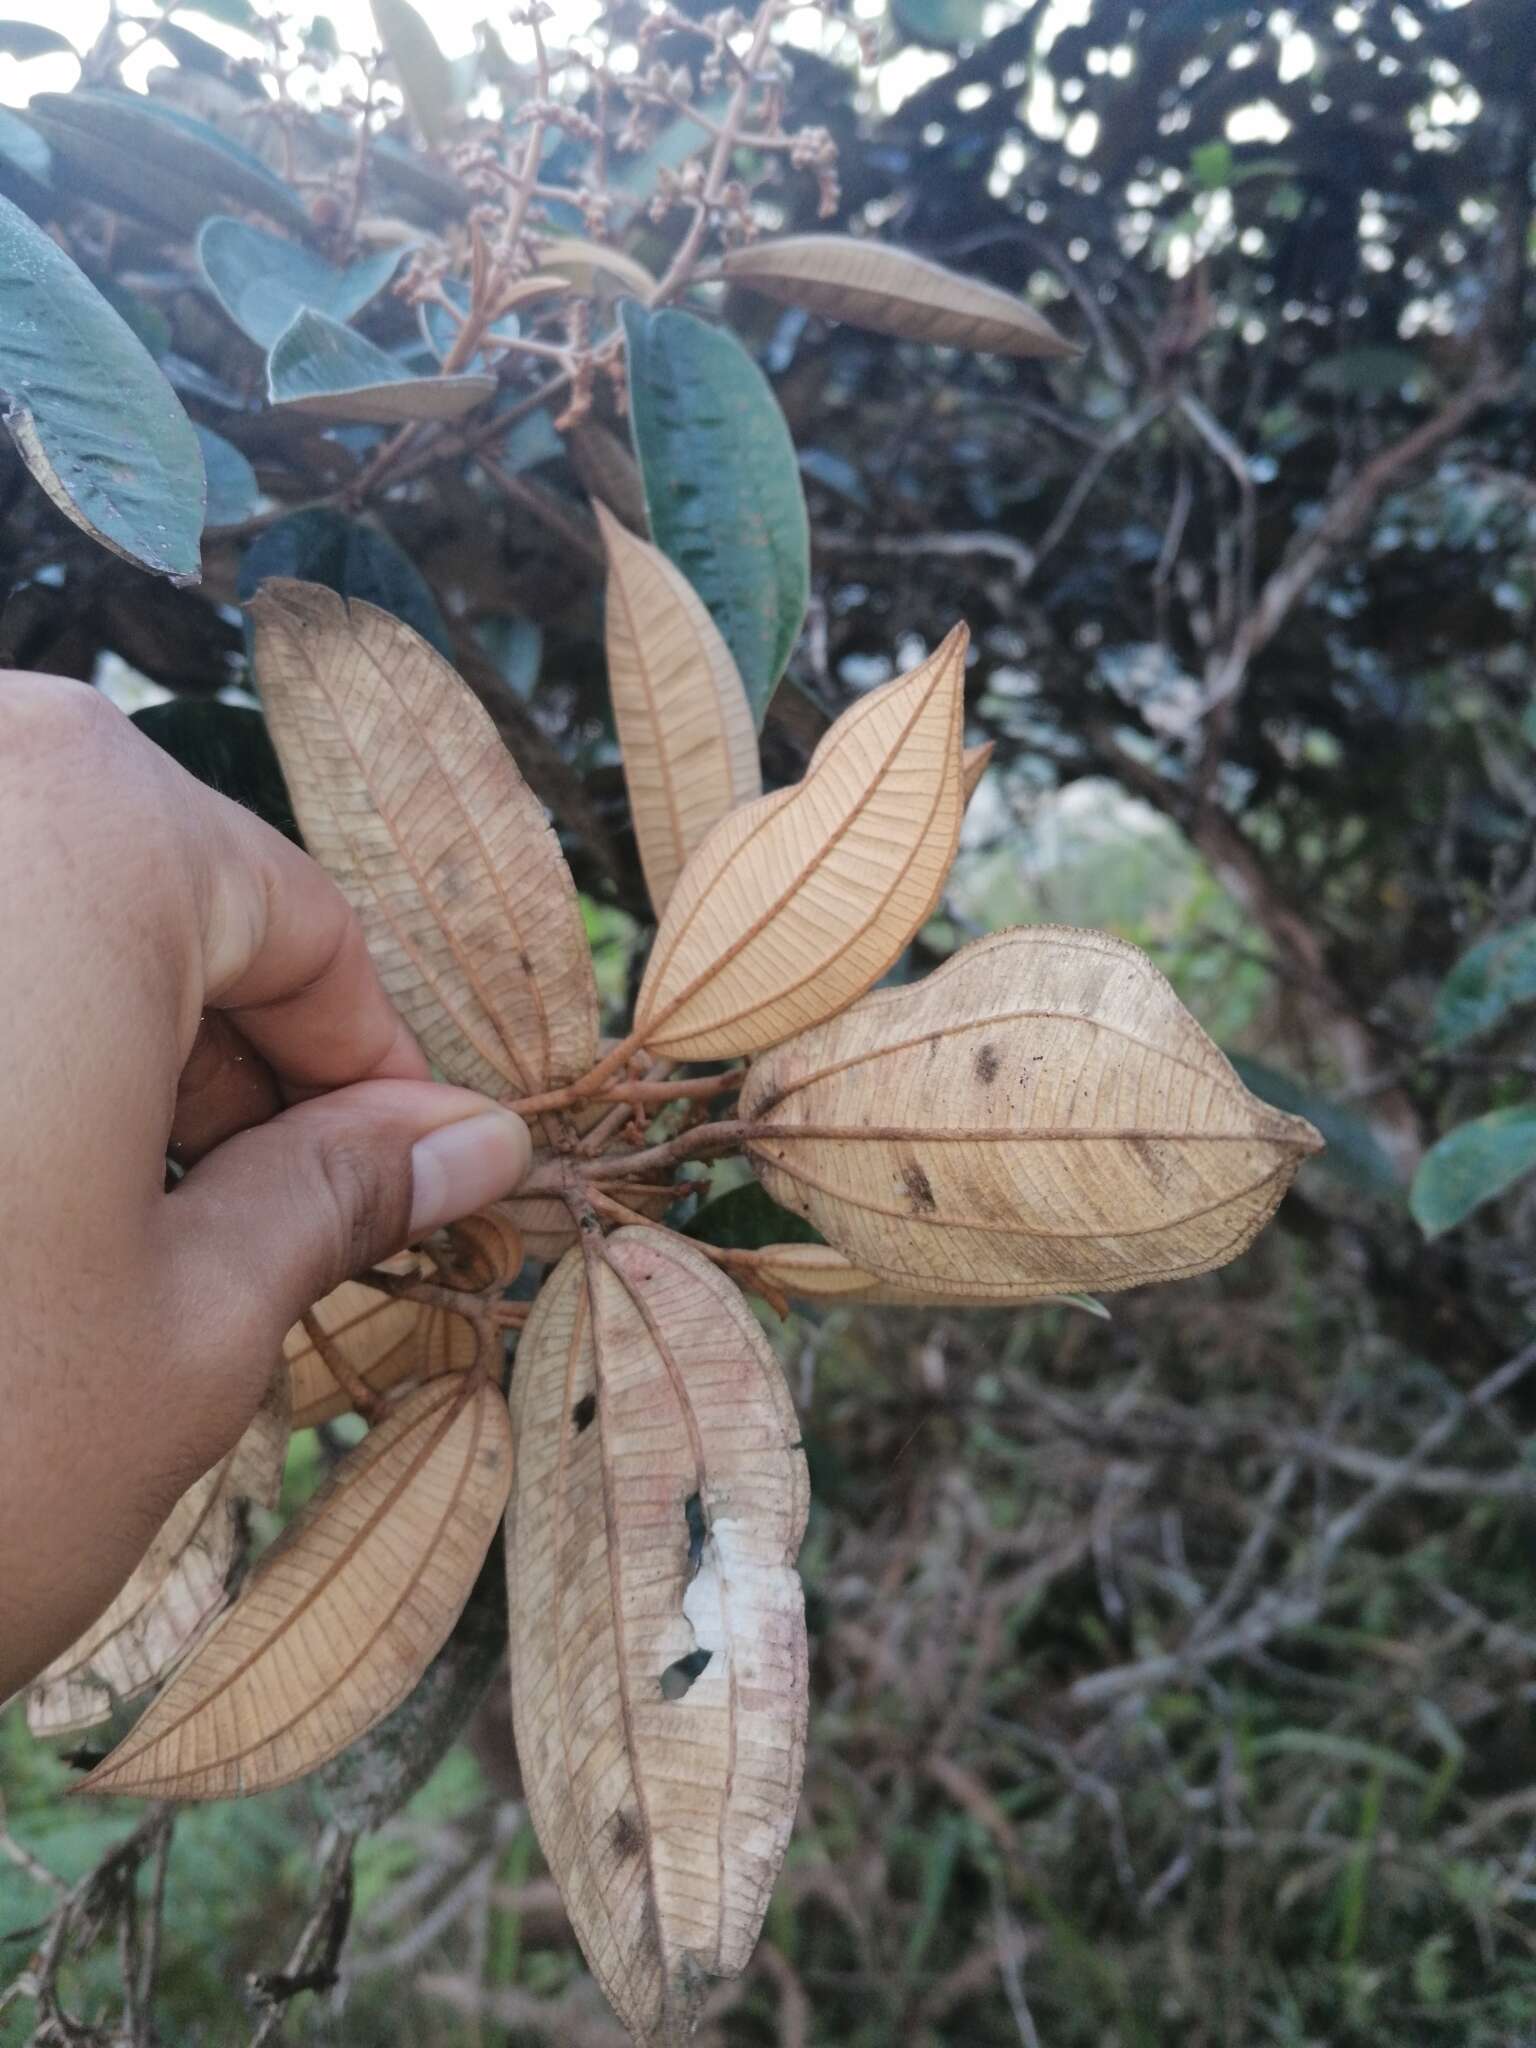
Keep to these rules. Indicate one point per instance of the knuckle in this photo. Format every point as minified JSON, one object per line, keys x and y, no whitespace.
{"x":365,"y":1200}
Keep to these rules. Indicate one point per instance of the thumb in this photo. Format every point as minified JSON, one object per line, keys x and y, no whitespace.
{"x":277,"y":1216}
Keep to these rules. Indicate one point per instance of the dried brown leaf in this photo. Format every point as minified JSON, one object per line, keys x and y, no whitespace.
{"x":973,"y":765}
{"x":661,"y":1501}
{"x":590,"y":265}
{"x":685,"y":726}
{"x":796,"y":903}
{"x":892,"y":292}
{"x":382,"y":1340}
{"x":1041,"y":1115}
{"x":406,"y":794}
{"x":609,"y":471}
{"x":341,"y":1616}
{"x":180,"y":1586}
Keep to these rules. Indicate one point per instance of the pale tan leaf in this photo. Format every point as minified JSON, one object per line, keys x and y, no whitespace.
{"x":341,"y":1616}
{"x":892,"y":292}
{"x":181,"y":1584}
{"x":1041,"y":1115}
{"x":660,"y":1505}
{"x":609,"y":471}
{"x":685,"y":727}
{"x":818,"y":1272}
{"x":384,"y":1341}
{"x":973,"y":765}
{"x":590,"y":264}
{"x":405,"y":792}
{"x":795,"y":904}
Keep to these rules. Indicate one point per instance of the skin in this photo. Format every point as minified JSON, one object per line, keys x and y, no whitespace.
{"x":176,"y":981}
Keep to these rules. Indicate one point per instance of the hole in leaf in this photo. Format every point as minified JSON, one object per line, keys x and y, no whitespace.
{"x":677,"y":1680}
{"x":584,"y":1411}
{"x":693,"y":1510}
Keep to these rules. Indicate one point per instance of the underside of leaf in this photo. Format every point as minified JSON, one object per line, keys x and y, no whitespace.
{"x":893,"y":292}
{"x":659,"y":1659}
{"x":180,"y":1586}
{"x":380,"y":1339}
{"x":795,"y":904}
{"x":341,"y":1616}
{"x":405,"y":792}
{"x":1041,"y":1115}
{"x":685,"y":727}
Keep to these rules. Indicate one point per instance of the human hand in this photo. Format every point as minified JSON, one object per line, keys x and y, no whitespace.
{"x":178,"y":980}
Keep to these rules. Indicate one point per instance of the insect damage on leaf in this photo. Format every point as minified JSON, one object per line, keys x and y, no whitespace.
{"x":181,"y":1584}
{"x":659,"y":1657}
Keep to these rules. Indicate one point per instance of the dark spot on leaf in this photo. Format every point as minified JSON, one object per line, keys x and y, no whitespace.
{"x":525,"y":963}
{"x":584,"y":1411}
{"x":677,"y":1680}
{"x":1152,"y":1160}
{"x":986,"y":1064}
{"x":918,"y":1186}
{"x":625,"y":1836}
{"x":693,"y":1513}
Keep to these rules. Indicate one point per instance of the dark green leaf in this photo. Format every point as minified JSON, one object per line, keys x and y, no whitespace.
{"x":1354,"y":1152}
{"x":722,"y":485}
{"x":355,"y":560}
{"x":377,"y":1775}
{"x":1493,"y":978}
{"x":748,"y":1218}
{"x":233,"y":492}
{"x":319,"y":366}
{"x":225,"y":746}
{"x":137,"y":155}
{"x":263,"y":282}
{"x":1372,"y":373}
{"x":1471,"y":1165}
{"x":943,"y":23}
{"x":30,"y":39}
{"x":92,"y":417}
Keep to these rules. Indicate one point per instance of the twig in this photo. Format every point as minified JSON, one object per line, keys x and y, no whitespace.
{"x":312,"y":1962}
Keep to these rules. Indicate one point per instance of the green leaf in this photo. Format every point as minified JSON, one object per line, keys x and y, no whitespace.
{"x":321,"y":546}
{"x":319,"y":366}
{"x":1211,"y":165}
{"x":136,"y":155}
{"x":233,"y":13}
{"x":233,"y":492}
{"x":1377,"y":372}
{"x":722,"y":486}
{"x":1354,"y":1152}
{"x":91,"y":415}
{"x":635,"y":176}
{"x":1489,"y":981}
{"x":1471,"y":1165}
{"x":378,"y":1774}
{"x":227,"y":747}
{"x":23,"y":39}
{"x":945,"y":24}
{"x":748,"y":1218}
{"x":426,"y":77}
{"x":517,"y":648}
{"x":263,"y":282}
{"x":23,"y":150}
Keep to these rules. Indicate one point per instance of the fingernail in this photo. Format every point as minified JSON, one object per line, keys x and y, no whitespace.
{"x":460,"y":1167}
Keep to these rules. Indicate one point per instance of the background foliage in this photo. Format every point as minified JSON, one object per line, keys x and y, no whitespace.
{"x":1172,"y":1674}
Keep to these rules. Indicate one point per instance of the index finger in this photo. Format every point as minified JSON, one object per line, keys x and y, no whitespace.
{"x":285,"y":959}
